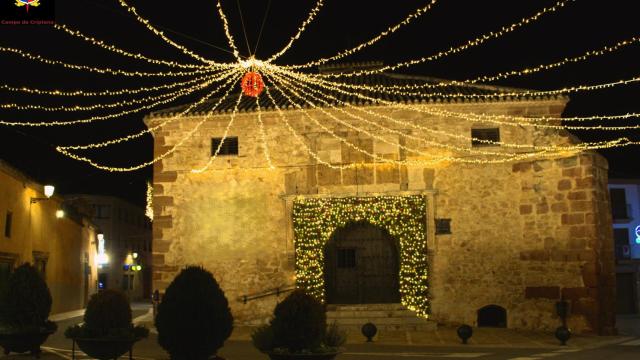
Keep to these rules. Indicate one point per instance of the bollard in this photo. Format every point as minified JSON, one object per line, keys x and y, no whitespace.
{"x":464,"y":333}
{"x":369,"y":330}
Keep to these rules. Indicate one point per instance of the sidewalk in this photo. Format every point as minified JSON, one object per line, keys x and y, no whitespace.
{"x":482,"y":337}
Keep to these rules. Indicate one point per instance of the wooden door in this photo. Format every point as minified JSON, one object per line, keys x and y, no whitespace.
{"x":361,"y":266}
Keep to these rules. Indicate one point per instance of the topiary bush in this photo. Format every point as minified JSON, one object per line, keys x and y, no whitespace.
{"x":299,"y":322}
{"x":26,"y":303}
{"x":193,"y":319}
{"x":108,"y":314}
{"x":107,"y":311}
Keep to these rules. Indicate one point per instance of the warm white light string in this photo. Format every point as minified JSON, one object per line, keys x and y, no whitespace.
{"x":105,"y":71}
{"x":160,"y":34}
{"x":392,"y":29}
{"x":227,"y":32}
{"x":222,"y":140}
{"x":156,"y":158}
{"x":152,"y":128}
{"x":138,"y":56}
{"x":263,"y":135}
{"x":435,"y":112}
{"x":85,"y":93}
{"x":331,"y":86}
{"x":310,"y":17}
{"x":105,"y":117}
{"x":453,"y":50}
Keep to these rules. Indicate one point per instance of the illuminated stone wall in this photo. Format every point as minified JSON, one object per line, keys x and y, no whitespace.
{"x":522,"y":234}
{"x":67,"y":244}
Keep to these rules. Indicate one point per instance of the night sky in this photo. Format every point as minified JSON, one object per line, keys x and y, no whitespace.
{"x":583,"y":25}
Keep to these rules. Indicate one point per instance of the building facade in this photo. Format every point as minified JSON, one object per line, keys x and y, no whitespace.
{"x":62,"y":248}
{"x":127,"y":244}
{"x":450,"y":241}
{"x":625,"y":206}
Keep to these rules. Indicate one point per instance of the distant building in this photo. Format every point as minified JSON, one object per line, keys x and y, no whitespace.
{"x":127,"y":243}
{"x":625,"y":209}
{"x":62,"y":246}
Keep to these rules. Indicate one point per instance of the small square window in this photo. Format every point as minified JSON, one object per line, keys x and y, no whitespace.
{"x":8,"y":220}
{"x":443,"y":226}
{"x":346,"y":258}
{"x":485,"y":137}
{"x":229,"y":146}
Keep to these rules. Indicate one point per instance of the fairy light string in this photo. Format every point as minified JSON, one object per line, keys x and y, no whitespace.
{"x":158,"y":158}
{"x":452,"y":50}
{"x":105,"y":71}
{"x":137,"y":56}
{"x":160,"y":34}
{"x":159,"y":125}
{"x":310,"y":17}
{"x":392,"y":29}
{"x":263,"y":135}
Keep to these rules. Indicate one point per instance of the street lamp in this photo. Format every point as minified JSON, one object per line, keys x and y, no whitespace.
{"x":59,"y":214}
{"x":48,"y":192}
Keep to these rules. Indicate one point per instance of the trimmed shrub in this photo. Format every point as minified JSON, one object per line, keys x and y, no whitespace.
{"x":335,"y":337}
{"x":27,"y":300}
{"x":262,"y":338}
{"x":108,"y":314}
{"x":299,"y":322}
{"x":107,"y":311}
{"x":194,"y":318}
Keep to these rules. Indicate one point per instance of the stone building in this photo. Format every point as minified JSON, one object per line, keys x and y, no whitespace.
{"x":127,"y":242}
{"x":484,"y":244}
{"x":62,"y":248}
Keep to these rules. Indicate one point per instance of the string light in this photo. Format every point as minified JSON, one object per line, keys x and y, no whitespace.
{"x":222,"y":140}
{"x":392,"y":29}
{"x":310,"y":17}
{"x":263,"y":135}
{"x":107,"y":71}
{"x":316,"y":219}
{"x":161,"y":156}
{"x":227,"y":32}
{"x":105,"y":117}
{"x":99,"y":93}
{"x":159,"y":33}
{"x":138,"y":56}
{"x":102,"y":106}
{"x":149,"y":209}
{"x":432,"y":111}
{"x":453,"y":50}
{"x":149,"y":129}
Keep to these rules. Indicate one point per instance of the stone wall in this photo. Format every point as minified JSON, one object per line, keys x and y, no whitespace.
{"x":523,"y":234}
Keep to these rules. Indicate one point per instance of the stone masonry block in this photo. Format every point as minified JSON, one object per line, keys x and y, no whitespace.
{"x":542,"y":292}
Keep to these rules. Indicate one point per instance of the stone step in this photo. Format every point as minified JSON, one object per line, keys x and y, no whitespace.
{"x":387,"y":317}
{"x":370,"y":314}
{"x":364,"y":307}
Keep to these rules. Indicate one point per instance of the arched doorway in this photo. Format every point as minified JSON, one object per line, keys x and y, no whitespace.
{"x":361,"y":266}
{"x":492,"y":316}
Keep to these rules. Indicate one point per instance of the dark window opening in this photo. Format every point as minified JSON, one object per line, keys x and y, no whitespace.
{"x":492,"y":316}
{"x":229,"y":146}
{"x":618,"y":203}
{"x":7,"y":224}
{"x":346,"y":258}
{"x":443,"y":226}
{"x":485,"y":137}
{"x":621,"y":239}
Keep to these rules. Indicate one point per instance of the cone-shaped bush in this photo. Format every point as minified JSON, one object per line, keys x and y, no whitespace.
{"x":299,"y":322}
{"x":27,"y":301}
{"x":194,"y":318}
{"x":107,"y":312}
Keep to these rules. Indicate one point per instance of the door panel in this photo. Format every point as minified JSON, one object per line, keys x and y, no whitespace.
{"x":372,"y":276}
